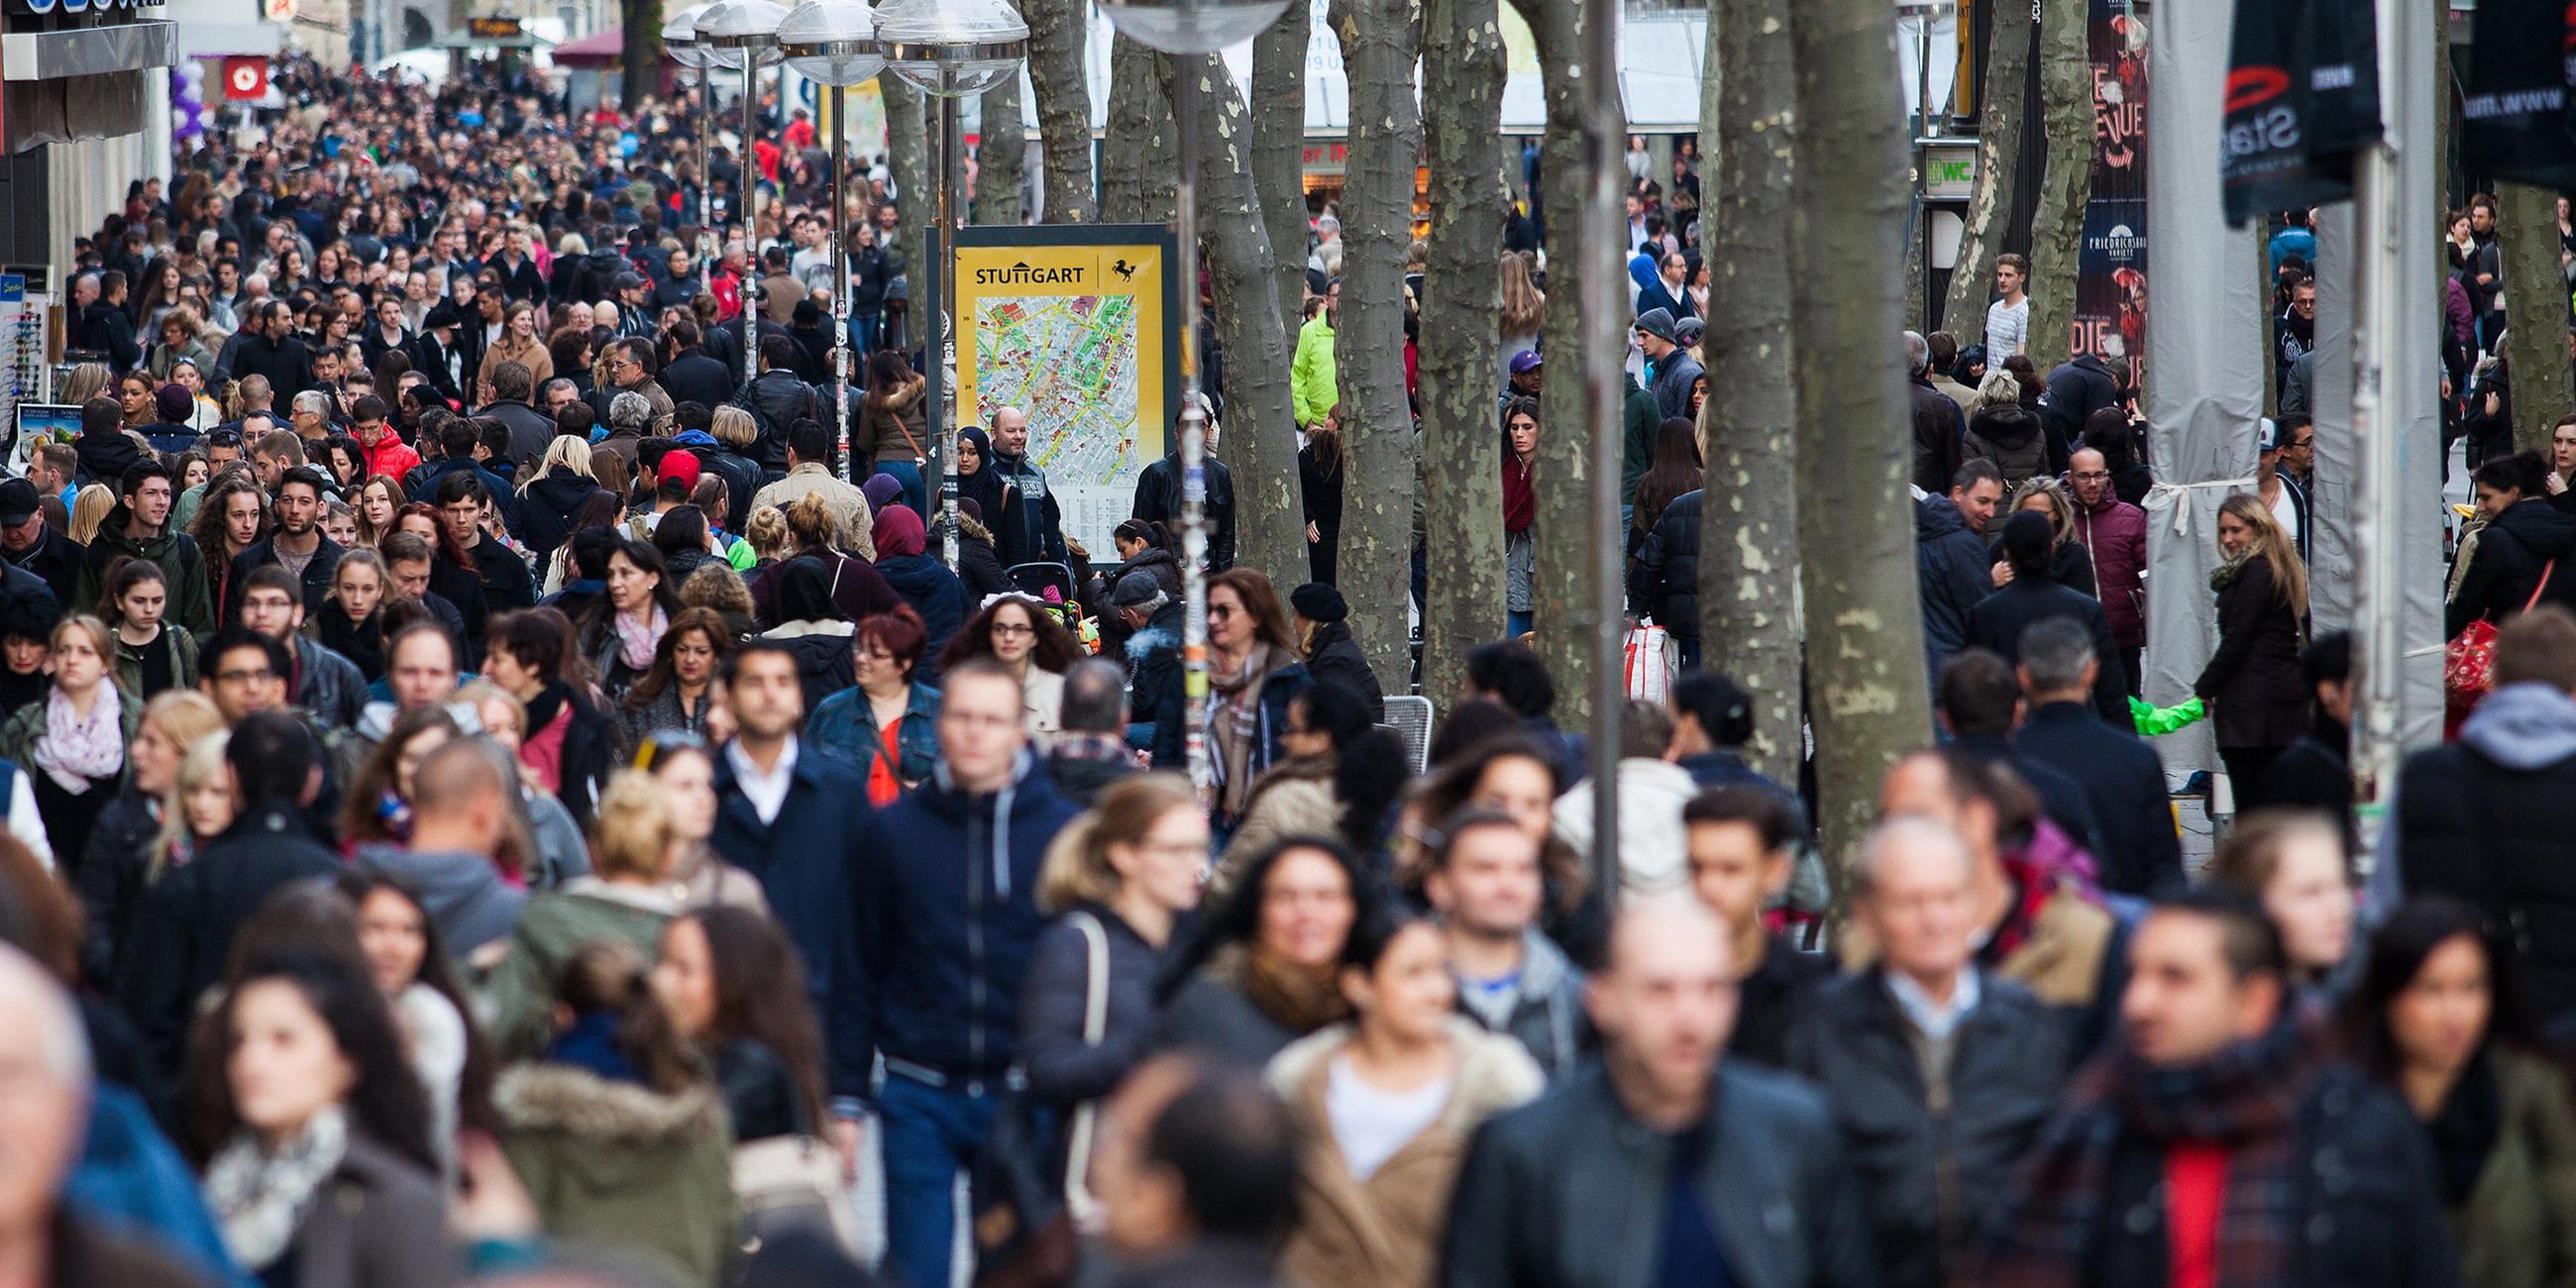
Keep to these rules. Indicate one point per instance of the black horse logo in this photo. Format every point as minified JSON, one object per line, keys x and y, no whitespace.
{"x":1126,"y":272}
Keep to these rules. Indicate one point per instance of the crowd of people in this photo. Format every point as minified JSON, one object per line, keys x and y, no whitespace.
{"x":496,"y":786}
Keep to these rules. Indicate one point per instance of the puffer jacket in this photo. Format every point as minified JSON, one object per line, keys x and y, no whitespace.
{"x":548,"y":508}
{"x":1953,"y":572}
{"x":1063,"y":1070}
{"x":2011,"y":438}
{"x":1930,"y":1174}
{"x":1663,"y":577}
{"x":2510,"y":555}
{"x":617,"y":1165}
{"x":1154,"y":676}
{"x":1386,"y":1229}
{"x":777,"y":400}
{"x":2116,"y":532}
{"x":2513,"y":1228}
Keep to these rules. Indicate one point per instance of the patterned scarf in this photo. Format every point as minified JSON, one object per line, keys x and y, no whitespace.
{"x":260,"y":1196}
{"x":1234,"y":726}
{"x":2245,"y":1097}
{"x":635,"y":640}
{"x":75,"y":750}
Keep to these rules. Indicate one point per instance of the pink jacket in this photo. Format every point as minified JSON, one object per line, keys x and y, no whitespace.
{"x":2116,"y":532}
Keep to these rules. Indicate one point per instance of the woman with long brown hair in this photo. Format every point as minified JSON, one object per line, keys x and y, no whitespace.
{"x":1018,"y":632}
{"x":1524,"y":307}
{"x":893,"y":432}
{"x":1520,"y":511}
{"x":675,"y":693}
{"x":2258,"y":701}
{"x":1319,"y":482}
{"x":1253,"y":672}
{"x":1675,"y":472}
{"x":731,"y":981}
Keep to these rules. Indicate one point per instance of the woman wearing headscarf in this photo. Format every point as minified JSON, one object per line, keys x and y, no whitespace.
{"x":980,"y":483}
{"x":925,"y":583}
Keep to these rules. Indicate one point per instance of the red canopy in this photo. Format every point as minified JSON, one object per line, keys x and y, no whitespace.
{"x":601,"y":50}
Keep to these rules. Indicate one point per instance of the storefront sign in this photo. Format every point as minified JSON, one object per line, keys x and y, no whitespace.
{"x":495,"y":28}
{"x":245,"y":77}
{"x":75,"y":6}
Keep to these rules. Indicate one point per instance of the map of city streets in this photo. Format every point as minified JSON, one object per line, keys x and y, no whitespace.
{"x":1069,"y":362}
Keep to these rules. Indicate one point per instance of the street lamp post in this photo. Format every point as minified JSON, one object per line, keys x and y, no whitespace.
{"x":948,"y":49}
{"x":1192,"y":28}
{"x":680,"y":41}
{"x":744,"y":34}
{"x":834,"y":42}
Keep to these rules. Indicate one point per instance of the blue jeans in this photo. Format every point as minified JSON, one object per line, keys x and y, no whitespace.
{"x":863,"y":341}
{"x":915,"y":494}
{"x":929,"y":1134}
{"x":1517,"y":624}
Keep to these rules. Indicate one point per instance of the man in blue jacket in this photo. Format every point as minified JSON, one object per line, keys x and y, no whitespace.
{"x":946,"y":915}
{"x":795,"y":817}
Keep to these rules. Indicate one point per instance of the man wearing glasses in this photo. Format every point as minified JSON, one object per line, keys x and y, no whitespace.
{"x":2116,"y":534}
{"x":630,"y":371}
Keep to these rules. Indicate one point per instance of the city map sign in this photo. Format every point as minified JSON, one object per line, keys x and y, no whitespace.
{"x":1078,"y":326}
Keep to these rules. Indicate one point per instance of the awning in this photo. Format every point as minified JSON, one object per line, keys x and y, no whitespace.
{"x":599,"y":50}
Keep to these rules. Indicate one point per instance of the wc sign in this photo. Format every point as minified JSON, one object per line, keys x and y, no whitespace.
{"x":245,"y":78}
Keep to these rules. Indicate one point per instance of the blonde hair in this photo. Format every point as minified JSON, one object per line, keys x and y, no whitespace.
{"x":89,"y":510}
{"x":204,"y":760}
{"x":479,"y":692}
{"x":1077,"y":868}
{"x":1523,"y":302}
{"x":2061,"y":514}
{"x":2273,"y":545}
{"x":183,"y":716}
{"x":1999,"y":388}
{"x":87,"y":381}
{"x":766,"y":530}
{"x":733,"y":427}
{"x":564,"y":450}
{"x":633,"y":829}
{"x":100,"y":639}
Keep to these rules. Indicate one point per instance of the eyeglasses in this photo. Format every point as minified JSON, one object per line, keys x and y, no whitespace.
{"x":260,"y":676}
{"x":2090,"y":476}
{"x":1014,"y":628}
{"x":1219,"y":612}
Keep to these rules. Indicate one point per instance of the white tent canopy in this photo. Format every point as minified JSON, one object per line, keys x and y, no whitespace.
{"x":1659,"y":61}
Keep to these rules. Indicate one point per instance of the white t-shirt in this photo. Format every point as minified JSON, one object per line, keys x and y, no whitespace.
{"x":1371,"y":1125}
{"x":2286,"y":513}
{"x":2007,"y":331}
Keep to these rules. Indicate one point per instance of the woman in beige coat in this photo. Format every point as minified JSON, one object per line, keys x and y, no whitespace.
{"x":1388,"y":1102}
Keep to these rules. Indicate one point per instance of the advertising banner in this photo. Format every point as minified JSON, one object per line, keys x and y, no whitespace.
{"x":1078,"y":326}
{"x":2111,"y":266}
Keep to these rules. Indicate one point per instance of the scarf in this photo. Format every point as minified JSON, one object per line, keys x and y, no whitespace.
{"x":74,"y":751}
{"x":2229,"y":569}
{"x":2245,"y":1097}
{"x":260,"y":1197}
{"x":898,"y":532}
{"x":1520,"y":500}
{"x":1298,"y":998}
{"x":360,"y":642}
{"x":1234,"y":725}
{"x":635,"y":640}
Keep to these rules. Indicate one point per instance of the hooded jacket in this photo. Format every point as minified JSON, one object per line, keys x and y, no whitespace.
{"x":1651,"y":839}
{"x":184,"y":932}
{"x":104,"y":457}
{"x":1386,"y":1229}
{"x":191,"y":602}
{"x":1333,"y":655}
{"x":776,"y":400}
{"x":2076,"y":390}
{"x":1542,"y":1008}
{"x":2116,"y":532}
{"x":617,"y":1165}
{"x":1953,"y":573}
{"x":2483,"y":820}
{"x":462,"y":893}
{"x":1158,"y":499}
{"x":925,"y":583}
{"x":2009,"y":437}
{"x":945,"y":888}
{"x":549,"y":506}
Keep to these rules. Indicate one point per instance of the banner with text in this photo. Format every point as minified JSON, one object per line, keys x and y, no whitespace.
{"x":2111,"y":266}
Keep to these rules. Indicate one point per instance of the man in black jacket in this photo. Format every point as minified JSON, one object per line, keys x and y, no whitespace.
{"x":777,"y":400}
{"x":688,"y":374}
{"x":1977,"y":701}
{"x":326,"y":684}
{"x":1940,"y":1075}
{"x":438,"y":354}
{"x":298,"y":544}
{"x":30,"y":543}
{"x":1999,"y":620}
{"x":2140,"y":852}
{"x":1953,"y":569}
{"x":2316,"y":772}
{"x":271,"y":349}
{"x":1662,"y":1163}
{"x":1158,"y":497}
{"x":1938,"y":425}
{"x":184,"y":931}
{"x":106,"y":327}
{"x":2076,"y":390}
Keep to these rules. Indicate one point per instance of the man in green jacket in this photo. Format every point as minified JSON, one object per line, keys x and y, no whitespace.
{"x":1314,"y":379}
{"x":140,"y":526}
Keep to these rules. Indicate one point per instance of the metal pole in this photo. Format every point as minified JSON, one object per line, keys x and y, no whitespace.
{"x":710,"y":246}
{"x":750,"y":166}
{"x":935,"y":351}
{"x":840,"y":284}
{"x":2386,"y":384}
{"x":1603,"y":342}
{"x":1193,"y":432}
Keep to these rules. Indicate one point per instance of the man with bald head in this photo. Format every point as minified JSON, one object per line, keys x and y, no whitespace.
{"x":462,"y":797}
{"x":45,"y":1100}
{"x":1040,"y":534}
{"x":2031,"y":922}
{"x":1665,"y":1164}
{"x":1939,"y":1074}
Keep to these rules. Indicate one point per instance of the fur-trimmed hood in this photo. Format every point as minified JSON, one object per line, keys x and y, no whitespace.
{"x":577,"y":1102}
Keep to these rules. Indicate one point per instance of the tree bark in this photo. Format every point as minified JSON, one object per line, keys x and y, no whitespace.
{"x":1856,"y":527}
{"x":1063,"y":93}
{"x":1001,"y":157}
{"x":1378,"y":49}
{"x":2535,"y":306}
{"x":1462,"y":298}
{"x":2057,"y":233}
{"x":639,"y":53}
{"x":1278,"y":140}
{"x":1139,"y":151}
{"x":1260,"y":441}
{"x":1748,"y":540}
{"x":908,"y":151}
{"x":1561,"y":535}
{"x":2005,"y":80}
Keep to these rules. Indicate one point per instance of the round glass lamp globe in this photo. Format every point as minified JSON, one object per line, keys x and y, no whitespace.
{"x":1192,"y":26}
{"x":739,"y":33}
{"x":952,"y":48}
{"x":832,"y":42}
